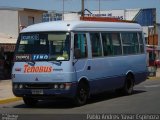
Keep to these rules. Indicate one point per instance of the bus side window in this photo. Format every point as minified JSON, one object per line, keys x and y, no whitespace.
{"x":96,"y":44}
{"x":107,"y":44}
{"x":141,"y":43}
{"x":135,"y":43}
{"x":130,"y":43}
{"x":117,"y":50}
{"x":80,"y":46}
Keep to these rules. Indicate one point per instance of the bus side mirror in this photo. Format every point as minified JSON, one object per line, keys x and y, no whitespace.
{"x":77,"y":53}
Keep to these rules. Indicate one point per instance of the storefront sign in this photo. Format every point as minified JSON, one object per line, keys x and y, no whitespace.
{"x":8,"y":47}
{"x":110,"y":13}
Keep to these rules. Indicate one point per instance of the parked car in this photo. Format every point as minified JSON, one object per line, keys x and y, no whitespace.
{"x":157,"y":63}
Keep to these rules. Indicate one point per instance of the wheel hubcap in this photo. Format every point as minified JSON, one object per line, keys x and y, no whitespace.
{"x":82,"y":94}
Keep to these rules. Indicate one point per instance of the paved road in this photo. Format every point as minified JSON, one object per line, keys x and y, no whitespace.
{"x":146,"y":99}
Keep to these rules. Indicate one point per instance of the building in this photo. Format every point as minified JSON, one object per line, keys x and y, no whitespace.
{"x":51,"y":16}
{"x":12,"y":21}
{"x":55,"y":16}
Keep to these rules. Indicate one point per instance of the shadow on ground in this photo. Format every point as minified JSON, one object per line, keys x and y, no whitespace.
{"x":4,"y":78}
{"x":65,"y":104}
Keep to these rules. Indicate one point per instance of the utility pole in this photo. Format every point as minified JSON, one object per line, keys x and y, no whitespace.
{"x":63,"y":11}
{"x":82,"y":11}
{"x":99,"y":7}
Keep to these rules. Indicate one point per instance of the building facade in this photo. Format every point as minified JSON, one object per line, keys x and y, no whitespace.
{"x":51,"y":16}
{"x":12,"y":21}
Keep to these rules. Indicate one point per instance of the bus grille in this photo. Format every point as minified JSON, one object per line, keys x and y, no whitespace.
{"x":39,"y":86}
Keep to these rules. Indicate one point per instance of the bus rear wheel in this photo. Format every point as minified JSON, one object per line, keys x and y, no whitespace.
{"x":81,"y":94}
{"x":128,"y":86}
{"x":30,"y":101}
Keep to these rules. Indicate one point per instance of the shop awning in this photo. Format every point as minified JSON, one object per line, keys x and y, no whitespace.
{"x":7,"y":43}
{"x":7,"y":39}
{"x":152,"y":49}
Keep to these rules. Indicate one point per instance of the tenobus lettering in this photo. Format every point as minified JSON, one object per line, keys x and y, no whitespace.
{"x":39,"y":69}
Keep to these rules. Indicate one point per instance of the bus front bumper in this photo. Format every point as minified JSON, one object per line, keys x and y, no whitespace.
{"x":44,"y":93}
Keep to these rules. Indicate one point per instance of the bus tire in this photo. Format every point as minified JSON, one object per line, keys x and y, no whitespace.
{"x":30,"y":101}
{"x":128,"y":85}
{"x":81,"y":94}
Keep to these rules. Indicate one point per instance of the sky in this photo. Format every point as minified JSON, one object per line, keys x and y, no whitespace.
{"x":75,"y":5}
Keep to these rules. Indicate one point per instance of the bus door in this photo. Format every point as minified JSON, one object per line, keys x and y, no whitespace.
{"x":80,"y":55}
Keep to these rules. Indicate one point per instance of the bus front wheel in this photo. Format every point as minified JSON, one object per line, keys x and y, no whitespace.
{"x":30,"y":101}
{"x":81,"y":94}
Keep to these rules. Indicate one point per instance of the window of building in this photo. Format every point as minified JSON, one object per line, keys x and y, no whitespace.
{"x":30,"y":20}
{"x":96,"y":44}
{"x":80,"y":45}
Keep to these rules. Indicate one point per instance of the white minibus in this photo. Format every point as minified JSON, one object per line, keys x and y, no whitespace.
{"x":74,"y":59}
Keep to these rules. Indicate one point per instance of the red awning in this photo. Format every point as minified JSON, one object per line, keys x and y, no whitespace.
{"x":151,"y":49}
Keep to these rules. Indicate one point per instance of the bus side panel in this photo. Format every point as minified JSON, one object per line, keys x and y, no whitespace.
{"x":110,"y":72}
{"x":106,"y":74}
{"x":140,"y":77}
{"x":106,"y":84}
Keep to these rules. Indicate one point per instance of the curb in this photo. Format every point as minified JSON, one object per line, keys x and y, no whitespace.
{"x":153,"y":78}
{"x":8,"y":100}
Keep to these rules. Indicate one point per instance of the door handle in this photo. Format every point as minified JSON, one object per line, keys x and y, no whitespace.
{"x":89,"y":68}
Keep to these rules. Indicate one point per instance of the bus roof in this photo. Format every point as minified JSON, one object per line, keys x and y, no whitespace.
{"x":82,"y":26}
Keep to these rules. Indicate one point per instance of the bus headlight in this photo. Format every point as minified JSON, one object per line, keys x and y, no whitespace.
{"x":15,"y":86}
{"x":65,"y":86}
{"x":55,"y":86}
{"x":62,"y":86}
{"x":20,"y":86}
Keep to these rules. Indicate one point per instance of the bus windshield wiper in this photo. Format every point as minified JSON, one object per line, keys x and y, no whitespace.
{"x":57,"y":62}
{"x":32,"y":63}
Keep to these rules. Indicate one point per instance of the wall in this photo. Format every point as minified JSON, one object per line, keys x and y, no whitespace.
{"x":158,"y":32}
{"x":131,"y":13}
{"x":23,"y":17}
{"x":9,"y":23}
{"x":71,"y":16}
{"x":146,"y":17}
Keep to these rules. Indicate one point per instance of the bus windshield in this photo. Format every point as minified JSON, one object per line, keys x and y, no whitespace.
{"x":43,"y":46}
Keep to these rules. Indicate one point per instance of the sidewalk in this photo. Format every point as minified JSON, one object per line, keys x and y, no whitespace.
{"x":6,"y":94}
{"x":158,"y":72}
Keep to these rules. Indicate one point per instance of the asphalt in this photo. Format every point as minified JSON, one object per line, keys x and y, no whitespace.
{"x":6,"y":94}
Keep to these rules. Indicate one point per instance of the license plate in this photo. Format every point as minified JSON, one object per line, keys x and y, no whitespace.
{"x":37,"y":92}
